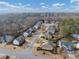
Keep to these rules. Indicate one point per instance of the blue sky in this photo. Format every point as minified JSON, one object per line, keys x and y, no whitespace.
{"x":7,"y":6}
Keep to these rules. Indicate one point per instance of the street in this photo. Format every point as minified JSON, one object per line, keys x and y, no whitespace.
{"x":71,"y":56}
{"x":27,"y":53}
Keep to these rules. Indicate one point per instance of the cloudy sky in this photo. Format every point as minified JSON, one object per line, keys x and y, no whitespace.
{"x":7,"y":6}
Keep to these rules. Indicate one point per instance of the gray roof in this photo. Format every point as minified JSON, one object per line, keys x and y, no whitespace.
{"x":51,"y":29}
{"x":8,"y":39}
{"x":75,"y":36}
{"x":67,"y":46}
{"x":20,"y":39}
{"x":46,"y":46}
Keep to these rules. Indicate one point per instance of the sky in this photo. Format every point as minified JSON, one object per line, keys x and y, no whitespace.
{"x":10,"y":6}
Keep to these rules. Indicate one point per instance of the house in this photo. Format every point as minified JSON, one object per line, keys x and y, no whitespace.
{"x":76,"y":45}
{"x":76,"y":36}
{"x":41,"y":35}
{"x":37,"y":25}
{"x":30,"y":29}
{"x":33,"y":29}
{"x":28,"y":33}
{"x":66,"y":47}
{"x":25,"y":34}
{"x":6,"y":39}
{"x":42,"y":20}
{"x":19,"y":40}
{"x":51,"y":30}
{"x":46,"y":46}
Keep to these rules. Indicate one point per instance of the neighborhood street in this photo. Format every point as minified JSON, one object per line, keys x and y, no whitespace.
{"x":27,"y":53}
{"x":71,"y":56}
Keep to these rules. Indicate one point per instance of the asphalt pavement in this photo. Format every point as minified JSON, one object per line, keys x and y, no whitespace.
{"x":27,"y":53}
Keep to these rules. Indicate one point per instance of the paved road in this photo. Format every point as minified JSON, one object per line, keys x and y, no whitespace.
{"x":27,"y":53}
{"x":33,"y":40}
{"x":71,"y":56}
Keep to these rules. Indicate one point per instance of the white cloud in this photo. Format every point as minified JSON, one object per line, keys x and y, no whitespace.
{"x":7,"y":5}
{"x":42,"y":3}
{"x":58,"y":7}
{"x":55,"y":7}
{"x":15,"y":8}
{"x":28,"y":4}
{"x":44,"y":6}
{"x":19,"y":7}
{"x":74,"y":7}
{"x":72,"y":1}
{"x":20,"y":4}
{"x":58,"y":4}
{"x":75,"y":2}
